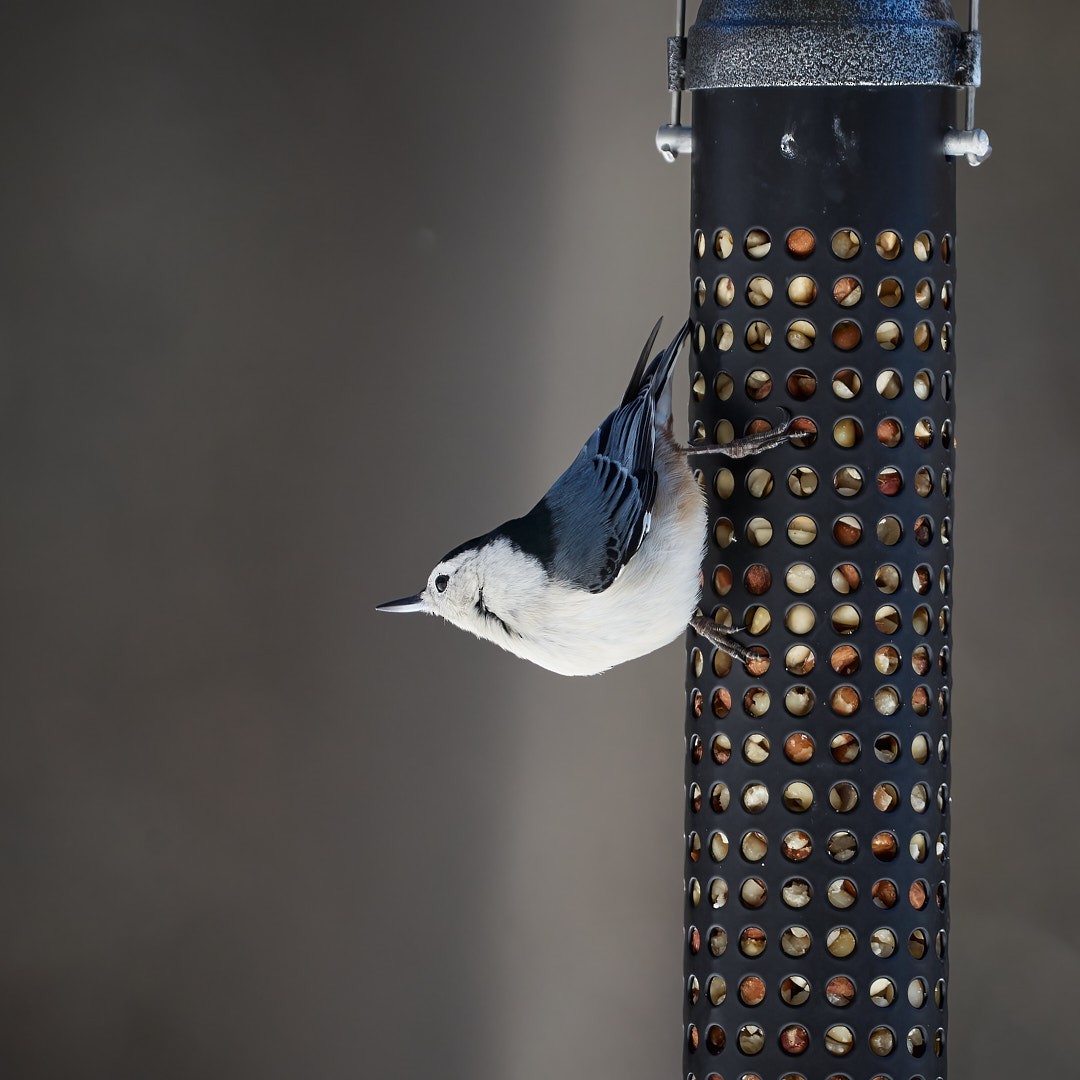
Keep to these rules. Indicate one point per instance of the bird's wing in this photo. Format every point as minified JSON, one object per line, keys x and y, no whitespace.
{"x":600,"y":506}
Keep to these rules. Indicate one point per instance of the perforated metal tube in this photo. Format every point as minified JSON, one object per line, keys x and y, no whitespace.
{"x":822,"y":275}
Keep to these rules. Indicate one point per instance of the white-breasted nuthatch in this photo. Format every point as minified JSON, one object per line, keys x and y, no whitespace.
{"x":607,"y":565}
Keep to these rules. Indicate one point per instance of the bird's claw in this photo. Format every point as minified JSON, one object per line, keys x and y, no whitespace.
{"x":723,"y":637}
{"x":756,"y":443}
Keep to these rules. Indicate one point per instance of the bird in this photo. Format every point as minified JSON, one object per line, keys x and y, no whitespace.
{"x":606,"y":567}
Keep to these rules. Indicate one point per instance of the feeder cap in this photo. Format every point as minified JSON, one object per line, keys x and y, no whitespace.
{"x":829,"y":43}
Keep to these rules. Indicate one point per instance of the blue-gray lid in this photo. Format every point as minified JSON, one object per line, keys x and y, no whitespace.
{"x":829,"y":43}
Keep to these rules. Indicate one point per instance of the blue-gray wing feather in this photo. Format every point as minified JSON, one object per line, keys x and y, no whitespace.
{"x":596,"y":515}
{"x":600,"y":506}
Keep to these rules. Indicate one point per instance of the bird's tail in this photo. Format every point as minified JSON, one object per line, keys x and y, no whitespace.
{"x":657,"y":373}
{"x":636,"y":380}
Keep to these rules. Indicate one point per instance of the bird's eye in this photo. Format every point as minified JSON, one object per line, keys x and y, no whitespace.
{"x":441,"y":582}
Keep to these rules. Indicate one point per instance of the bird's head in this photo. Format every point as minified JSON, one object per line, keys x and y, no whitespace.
{"x":477,"y":587}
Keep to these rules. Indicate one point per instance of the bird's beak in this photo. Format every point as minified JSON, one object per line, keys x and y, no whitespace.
{"x":406,"y":603}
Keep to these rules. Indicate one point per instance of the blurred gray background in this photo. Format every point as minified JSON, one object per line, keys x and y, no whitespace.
{"x":296,"y":296}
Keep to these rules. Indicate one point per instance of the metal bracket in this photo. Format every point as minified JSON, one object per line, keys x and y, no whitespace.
{"x":676,"y":64}
{"x":972,"y":142}
{"x":675,"y":138}
{"x":969,"y":59}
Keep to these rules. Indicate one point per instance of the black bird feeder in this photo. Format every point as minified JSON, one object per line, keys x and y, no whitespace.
{"x":822,"y":267}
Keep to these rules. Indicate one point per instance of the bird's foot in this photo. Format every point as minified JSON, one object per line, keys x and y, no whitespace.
{"x":749,"y":445}
{"x":723,"y":637}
